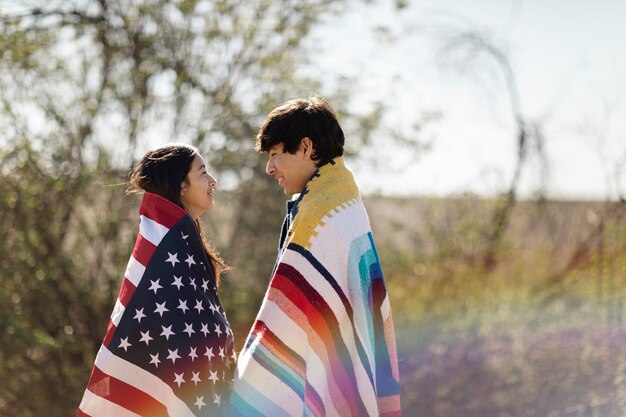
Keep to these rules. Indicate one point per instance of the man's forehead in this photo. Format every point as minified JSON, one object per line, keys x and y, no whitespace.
{"x":276,"y":148}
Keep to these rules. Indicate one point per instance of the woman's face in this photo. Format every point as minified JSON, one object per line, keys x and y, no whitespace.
{"x":197,"y":191}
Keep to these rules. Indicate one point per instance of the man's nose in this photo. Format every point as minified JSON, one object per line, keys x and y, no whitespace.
{"x":270,"y":168}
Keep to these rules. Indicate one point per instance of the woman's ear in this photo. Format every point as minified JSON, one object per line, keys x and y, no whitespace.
{"x":183,"y":187}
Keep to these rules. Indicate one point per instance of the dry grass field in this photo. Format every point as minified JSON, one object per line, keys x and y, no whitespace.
{"x":540,"y":333}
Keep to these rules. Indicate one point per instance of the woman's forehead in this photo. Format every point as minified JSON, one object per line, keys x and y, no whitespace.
{"x":198,"y":160}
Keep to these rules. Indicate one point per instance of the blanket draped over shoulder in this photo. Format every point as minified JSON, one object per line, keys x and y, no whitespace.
{"x":168,"y":350}
{"x":323,"y":342}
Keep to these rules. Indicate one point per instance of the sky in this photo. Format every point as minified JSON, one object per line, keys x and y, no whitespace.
{"x":569,"y":61}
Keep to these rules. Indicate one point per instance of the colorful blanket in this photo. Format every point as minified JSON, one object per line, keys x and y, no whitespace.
{"x":323,"y":342}
{"x":168,"y":350}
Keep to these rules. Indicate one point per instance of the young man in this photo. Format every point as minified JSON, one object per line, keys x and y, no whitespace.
{"x":323,"y":342}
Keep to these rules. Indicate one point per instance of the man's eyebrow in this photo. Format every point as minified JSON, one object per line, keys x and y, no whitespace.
{"x":202,"y":167}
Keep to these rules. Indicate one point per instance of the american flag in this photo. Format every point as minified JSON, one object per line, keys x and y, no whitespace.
{"x":169,"y":349}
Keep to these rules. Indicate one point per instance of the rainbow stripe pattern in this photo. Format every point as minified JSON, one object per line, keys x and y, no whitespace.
{"x":323,"y":342}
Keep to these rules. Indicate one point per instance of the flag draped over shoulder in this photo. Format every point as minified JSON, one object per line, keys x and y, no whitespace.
{"x":323,"y":342}
{"x":168,"y":350}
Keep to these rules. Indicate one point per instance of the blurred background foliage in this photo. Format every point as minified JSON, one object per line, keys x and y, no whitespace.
{"x":501,"y":307}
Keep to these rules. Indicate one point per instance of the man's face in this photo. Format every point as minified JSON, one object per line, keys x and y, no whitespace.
{"x":292,"y":171}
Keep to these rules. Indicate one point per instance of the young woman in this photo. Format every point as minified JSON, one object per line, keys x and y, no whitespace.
{"x":169,"y":347}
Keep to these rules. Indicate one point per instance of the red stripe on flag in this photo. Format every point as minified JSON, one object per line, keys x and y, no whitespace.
{"x":168,"y":213}
{"x":109,"y":335}
{"x":143,"y":250}
{"x":127,"y":291}
{"x":125,"y":395}
{"x":79,"y":413}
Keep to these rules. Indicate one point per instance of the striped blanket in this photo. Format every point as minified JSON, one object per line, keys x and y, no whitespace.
{"x":323,"y":342}
{"x":168,"y":350}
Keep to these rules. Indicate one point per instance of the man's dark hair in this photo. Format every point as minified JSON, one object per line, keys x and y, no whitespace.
{"x":296,"y":119}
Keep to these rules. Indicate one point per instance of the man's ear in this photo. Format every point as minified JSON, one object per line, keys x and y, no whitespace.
{"x":183,"y":186}
{"x":307,"y":147}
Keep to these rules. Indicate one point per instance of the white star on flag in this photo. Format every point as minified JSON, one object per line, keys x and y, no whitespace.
{"x":192,"y":281}
{"x":155,"y":359}
{"x":205,"y":285}
{"x":195,"y":377}
{"x":173,"y":258}
{"x":124,"y":344}
{"x":192,"y":354}
{"x":198,"y":306}
{"x":161,"y":308}
{"x":218,"y":400}
{"x":213,"y":307}
{"x":139,"y":315}
{"x":182,"y":305}
{"x":167,"y":332}
{"x":199,"y":402}
{"x":155,"y":286}
{"x":209,"y":353}
{"x":190,"y":260}
{"x":222,"y":354}
{"x":173,"y":355}
{"x":218,"y":329}
{"x":213,"y":377}
{"x":189,"y":329}
{"x":179,"y":378}
{"x":145,"y":337}
{"x":178,"y":281}
{"x":205,"y":329}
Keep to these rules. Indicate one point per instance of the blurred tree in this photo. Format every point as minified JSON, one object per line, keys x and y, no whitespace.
{"x":87,"y":86}
{"x":472,"y":49}
{"x":477,"y":54}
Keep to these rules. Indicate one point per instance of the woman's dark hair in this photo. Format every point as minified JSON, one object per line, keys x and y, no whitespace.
{"x":162,"y":171}
{"x":296,"y":119}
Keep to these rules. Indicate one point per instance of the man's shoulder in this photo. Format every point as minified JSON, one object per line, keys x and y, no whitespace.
{"x":327,"y":200}
{"x":325,"y":214}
